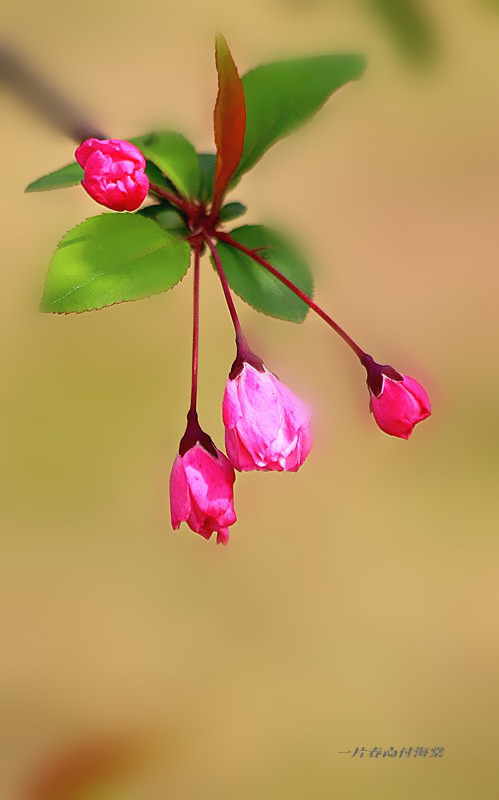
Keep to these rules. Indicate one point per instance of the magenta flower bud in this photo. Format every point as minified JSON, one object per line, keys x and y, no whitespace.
{"x":397,"y":401}
{"x":114,"y":173}
{"x":201,"y":484}
{"x":267,"y":427}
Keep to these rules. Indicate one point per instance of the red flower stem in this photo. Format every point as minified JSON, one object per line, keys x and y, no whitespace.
{"x":216,"y":205}
{"x":226,"y":237}
{"x":226,"y":289}
{"x":179,"y":202}
{"x":195,"y":333}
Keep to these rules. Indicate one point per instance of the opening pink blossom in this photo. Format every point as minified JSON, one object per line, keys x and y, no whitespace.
{"x":267,"y":427}
{"x":201,"y":492}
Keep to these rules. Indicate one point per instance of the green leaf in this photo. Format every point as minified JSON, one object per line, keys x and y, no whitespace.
{"x":282,"y":95}
{"x":167,"y":216}
{"x":175,"y":156}
{"x":69,"y":175}
{"x":258,"y":287}
{"x":157,"y":178}
{"x":112,"y":258}
{"x":207,"y":168}
{"x":207,"y":162}
{"x":232,"y":211}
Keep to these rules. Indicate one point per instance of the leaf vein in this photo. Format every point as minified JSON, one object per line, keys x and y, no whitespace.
{"x":117,"y":268}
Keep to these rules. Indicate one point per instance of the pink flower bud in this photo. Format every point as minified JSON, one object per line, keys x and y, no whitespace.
{"x":201,"y":492}
{"x":266,"y":426}
{"x":114,"y":173}
{"x":397,"y":401}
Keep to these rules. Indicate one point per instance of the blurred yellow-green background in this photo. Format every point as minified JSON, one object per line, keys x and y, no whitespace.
{"x":357,"y":602}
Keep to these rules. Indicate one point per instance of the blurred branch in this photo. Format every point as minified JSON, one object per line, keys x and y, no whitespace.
{"x":16,"y":74}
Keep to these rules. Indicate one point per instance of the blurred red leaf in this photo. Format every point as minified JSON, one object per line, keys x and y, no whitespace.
{"x":229,"y":118}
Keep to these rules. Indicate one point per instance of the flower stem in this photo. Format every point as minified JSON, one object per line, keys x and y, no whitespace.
{"x":172,"y":198}
{"x":195,"y":333}
{"x":225,"y":287}
{"x":244,"y":353}
{"x":226,"y":237}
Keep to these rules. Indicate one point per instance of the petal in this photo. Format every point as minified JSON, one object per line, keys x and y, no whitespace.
{"x":273,"y":418}
{"x":122,"y":150}
{"x":135,"y":196}
{"x":300,"y":452}
{"x":98,"y":165}
{"x":231,"y":409}
{"x":210,"y":483}
{"x":297,"y":411}
{"x":86,"y":149}
{"x":180,"y":504}
{"x":261,"y":411}
{"x":419,"y":393}
{"x":96,"y":188}
{"x":240,"y":457}
{"x":223,"y":536}
{"x":396,"y":410}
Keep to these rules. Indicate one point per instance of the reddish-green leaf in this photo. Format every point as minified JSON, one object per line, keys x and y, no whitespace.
{"x":229,"y":117}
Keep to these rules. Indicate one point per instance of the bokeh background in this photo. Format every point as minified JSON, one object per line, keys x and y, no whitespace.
{"x":357,"y":602}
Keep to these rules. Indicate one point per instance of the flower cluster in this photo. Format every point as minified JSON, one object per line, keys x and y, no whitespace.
{"x":267,"y":427}
{"x":113,"y":258}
